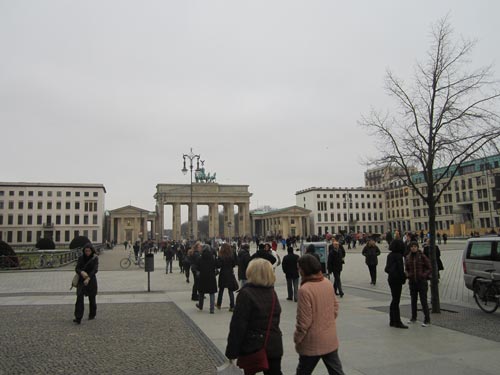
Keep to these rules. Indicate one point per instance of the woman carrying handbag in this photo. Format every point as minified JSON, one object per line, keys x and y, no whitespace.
{"x":255,"y":322}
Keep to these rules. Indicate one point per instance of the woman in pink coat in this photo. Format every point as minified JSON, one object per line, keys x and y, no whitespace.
{"x":315,"y":334}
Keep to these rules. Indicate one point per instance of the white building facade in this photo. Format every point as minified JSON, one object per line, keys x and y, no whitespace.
{"x":336,"y":210}
{"x":30,"y":211}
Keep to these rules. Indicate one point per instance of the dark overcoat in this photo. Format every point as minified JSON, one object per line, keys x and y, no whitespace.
{"x":91,"y":266}
{"x":250,"y":320}
{"x":226,"y":275}
{"x":206,"y":266}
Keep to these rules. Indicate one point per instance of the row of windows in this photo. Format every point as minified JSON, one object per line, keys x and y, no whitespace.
{"x":33,"y":236}
{"x":47,"y":220}
{"x":322,"y":205}
{"x":350,"y":196}
{"x":352,"y":216}
{"x":89,"y":206}
{"x":40,"y":193}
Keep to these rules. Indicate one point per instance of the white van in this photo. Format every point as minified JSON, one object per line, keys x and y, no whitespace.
{"x":481,"y":254}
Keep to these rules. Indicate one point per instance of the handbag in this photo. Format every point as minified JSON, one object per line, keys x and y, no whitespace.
{"x":74,"y":282}
{"x":255,"y":362}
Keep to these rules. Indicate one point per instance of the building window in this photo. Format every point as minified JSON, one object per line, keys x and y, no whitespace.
{"x":30,"y":193}
{"x":96,"y":194}
{"x":58,"y":205}
{"x":19,"y":219}
{"x":19,"y":236}
{"x":11,"y":205}
{"x":30,"y":220}
{"x":68,"y":205}
{"x":85,"y":219}
{"x":58,"y":219}
{"x":59,"y":193}
{"x":66,"y":236}
{"x":20,"y":205}
{"x":28,"y":236}
{"x":40,"y":193}
{"x":49,"y":205}
{"x":58,"y":235}
{"x":68,"y":193}
{"x":10,"y":220}
{"x":49,"y":219}
{"x":9,"y":236}
{"x":11,"y":193}
{"x":30,"y":205}
{"x":77,"y":193}
{"x":39,"y":205}
{"x":319,"y":217}
{"x":67,"y":220}
{"x":39,"y":219}
{"x":77,"y":220}
{"x":94,"y":235}
{"x":94,"y":220}
{"x":77,"y":205}
{"x":49,"y":194}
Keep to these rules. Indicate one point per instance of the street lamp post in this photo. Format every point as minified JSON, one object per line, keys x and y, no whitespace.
{"x":191,"y":157}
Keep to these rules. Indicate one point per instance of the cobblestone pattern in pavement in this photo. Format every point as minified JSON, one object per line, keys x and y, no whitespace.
{"x":123,"y":339}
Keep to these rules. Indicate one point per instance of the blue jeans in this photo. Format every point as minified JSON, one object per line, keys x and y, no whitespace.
{"x":331,"y":360}
{"x":201,"y":297}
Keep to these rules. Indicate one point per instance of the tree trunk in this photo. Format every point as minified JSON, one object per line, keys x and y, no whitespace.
{"x":436,"y":306}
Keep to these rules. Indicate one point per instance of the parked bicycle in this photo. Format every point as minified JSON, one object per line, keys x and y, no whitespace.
{"x":15,"y":261}
{"x":487,"y":293}
{"x":126,"y":262}
{"x":49,"y":261}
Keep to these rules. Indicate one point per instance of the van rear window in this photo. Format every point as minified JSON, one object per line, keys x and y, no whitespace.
{"x":480,"y":251}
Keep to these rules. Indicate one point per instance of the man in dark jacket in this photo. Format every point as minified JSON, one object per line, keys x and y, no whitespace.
{"x":289,"y":265}
{"x":396,"y":278}
{"x":418,"y":268}
{"x":243,"y":260}
{"x":336,"y":255}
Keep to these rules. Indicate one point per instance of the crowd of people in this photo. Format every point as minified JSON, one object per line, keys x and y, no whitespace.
{"x":249,"y":279}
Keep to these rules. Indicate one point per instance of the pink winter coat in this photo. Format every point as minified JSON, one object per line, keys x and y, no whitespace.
{"x":317,"y":309}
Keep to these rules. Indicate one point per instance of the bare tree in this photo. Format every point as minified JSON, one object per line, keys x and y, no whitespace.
{"x":442,"y":120}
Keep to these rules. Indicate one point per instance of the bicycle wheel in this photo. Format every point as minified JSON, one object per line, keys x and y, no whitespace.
{"x":140,"y":262}
{"x":125,"y":263}
{"x":55,"y":262}
{"x":485,"y":297}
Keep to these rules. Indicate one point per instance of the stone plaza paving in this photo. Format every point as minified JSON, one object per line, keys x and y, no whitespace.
{"x":161,"y":332}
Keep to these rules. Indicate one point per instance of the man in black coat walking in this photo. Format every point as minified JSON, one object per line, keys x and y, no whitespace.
{"x":336,"y":255}
{"x":289,"y":265}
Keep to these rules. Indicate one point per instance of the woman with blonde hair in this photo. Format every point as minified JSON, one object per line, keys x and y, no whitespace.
{"x":193,"y":256}
{"x":251,"y":317}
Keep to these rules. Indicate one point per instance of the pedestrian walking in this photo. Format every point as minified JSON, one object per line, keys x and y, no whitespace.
{"x":206,"y":268}
{"x":315,"y":334}
{"x":289,"y":266}
{"x":86,"y":267}
{"x":252,"y":317}
{"x":226,"y":262}
{"x":243,"y":260}
{"x":192,"y":257}
{"x":336,"y":255}
{"x":371,"y":253}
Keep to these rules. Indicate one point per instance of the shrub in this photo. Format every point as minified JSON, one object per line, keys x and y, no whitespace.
{"x":78,"y":242}
{"x":7,"y":251}
{"x":45,"y":244}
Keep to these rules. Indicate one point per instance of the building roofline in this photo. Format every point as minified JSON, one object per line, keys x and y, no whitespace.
{"x":50,"y":184}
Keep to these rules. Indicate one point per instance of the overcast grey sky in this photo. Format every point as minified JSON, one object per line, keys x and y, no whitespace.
{"x":268,"y":92}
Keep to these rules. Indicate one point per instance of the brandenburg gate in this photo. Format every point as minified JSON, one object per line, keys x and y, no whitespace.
{"x":211,"y":195}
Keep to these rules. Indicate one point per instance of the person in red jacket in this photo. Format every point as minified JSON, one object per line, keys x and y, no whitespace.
{"x":418,"y":270}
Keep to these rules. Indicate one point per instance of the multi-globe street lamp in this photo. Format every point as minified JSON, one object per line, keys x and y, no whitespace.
{"x":348,"y":202}
{"x":191,"y":157}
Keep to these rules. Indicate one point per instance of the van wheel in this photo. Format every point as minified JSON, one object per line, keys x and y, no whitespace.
{"x":485,"y":297}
